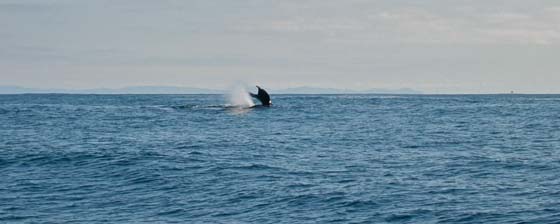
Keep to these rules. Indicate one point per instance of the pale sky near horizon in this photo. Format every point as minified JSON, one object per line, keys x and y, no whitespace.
{"x":435,"y":46}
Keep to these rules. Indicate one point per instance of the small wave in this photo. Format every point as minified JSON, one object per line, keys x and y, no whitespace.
{"x":171,"y":212}
{"x":256,"y":167}
{"x":399,"y":217}
{"x":199,"y":107}
{"x":361,"y":204}
{"x":368,"y":96}
{"x":56,"y":159}
{"x":300,"y":185}
{"x":17,"y":218}
{"x":190,"y":147}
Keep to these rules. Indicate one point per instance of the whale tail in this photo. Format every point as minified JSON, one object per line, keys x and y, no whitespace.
{"x":262,"y":96}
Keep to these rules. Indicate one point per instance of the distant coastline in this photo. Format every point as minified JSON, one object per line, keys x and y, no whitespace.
{"x":190,"y":90}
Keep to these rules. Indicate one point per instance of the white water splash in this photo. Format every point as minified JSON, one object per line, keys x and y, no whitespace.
{"x":239,"y":97}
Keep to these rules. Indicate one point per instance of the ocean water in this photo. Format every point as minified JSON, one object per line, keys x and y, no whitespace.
{"x":307,"y":159}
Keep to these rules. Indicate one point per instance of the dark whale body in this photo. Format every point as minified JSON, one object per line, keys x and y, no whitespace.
{"x":262,"y":96}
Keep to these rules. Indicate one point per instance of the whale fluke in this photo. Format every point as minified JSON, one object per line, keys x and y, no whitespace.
{"x":262,"y":96}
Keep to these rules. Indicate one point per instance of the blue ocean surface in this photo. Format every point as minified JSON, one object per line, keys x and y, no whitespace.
{"x":306,"y":159}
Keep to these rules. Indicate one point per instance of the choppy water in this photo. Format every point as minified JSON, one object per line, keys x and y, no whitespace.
{"x":307,"y":159}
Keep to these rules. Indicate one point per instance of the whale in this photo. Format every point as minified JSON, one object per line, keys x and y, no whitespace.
{"x":262,"y":96}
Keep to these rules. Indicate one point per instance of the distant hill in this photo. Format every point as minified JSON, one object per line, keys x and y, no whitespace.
{"x":126,"y":90}
{"x":189,"y":90}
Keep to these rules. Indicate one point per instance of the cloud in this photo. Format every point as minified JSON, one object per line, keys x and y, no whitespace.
{"x":418,"y":25}
{"x":13,"y":7}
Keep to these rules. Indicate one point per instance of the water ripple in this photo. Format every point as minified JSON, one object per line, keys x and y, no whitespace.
{"x":307,"y":159}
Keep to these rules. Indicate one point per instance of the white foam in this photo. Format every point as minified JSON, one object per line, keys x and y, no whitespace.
{"x":239,"y":97}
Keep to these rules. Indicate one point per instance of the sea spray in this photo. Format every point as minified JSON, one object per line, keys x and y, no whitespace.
{"x":239,"y":97}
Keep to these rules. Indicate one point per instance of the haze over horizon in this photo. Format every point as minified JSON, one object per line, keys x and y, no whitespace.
{"x":433,"y":46}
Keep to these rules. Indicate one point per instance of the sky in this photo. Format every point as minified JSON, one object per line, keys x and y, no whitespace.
{"x":434,"y":46}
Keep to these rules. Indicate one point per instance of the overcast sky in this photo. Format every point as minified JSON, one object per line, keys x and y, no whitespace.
{"x":435,"y":46}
